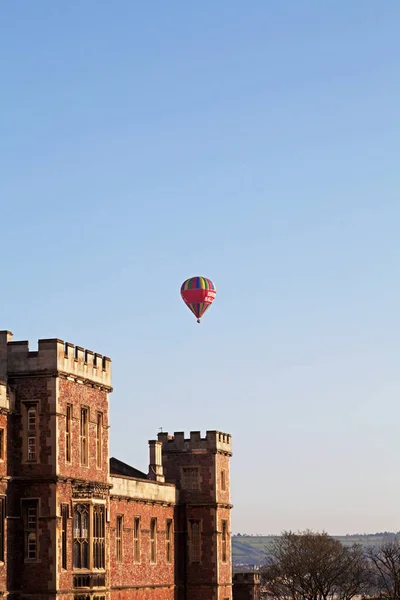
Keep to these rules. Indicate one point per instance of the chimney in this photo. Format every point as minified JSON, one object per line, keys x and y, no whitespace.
{"x":155,"y":468}
{"x":5,"y":338}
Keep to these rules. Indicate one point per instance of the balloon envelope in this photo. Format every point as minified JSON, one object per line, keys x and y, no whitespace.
{"x":198,"y":293}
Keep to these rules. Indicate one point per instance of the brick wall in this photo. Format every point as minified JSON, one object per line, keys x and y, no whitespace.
{"x":207,"y":503}
{"x":39,"y":574}
{"x":77,"y":396}
{"x":41,"y":390}
{"x":128,"y":574}
{"x":58,"y":376}
{"x":246,"y":586}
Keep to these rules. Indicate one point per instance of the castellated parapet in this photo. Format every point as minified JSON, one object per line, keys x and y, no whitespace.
{"x":214,"y":441}
{"x":53,"y":355}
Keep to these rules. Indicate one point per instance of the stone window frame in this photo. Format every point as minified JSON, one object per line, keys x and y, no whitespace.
{"x":69,"y":417}
{"x":137,"y":522}
{"x":84,"y":437}
{"x":98,"y":538}
{"x":194,"y":543}
{"x":30,"y":530}
{"x":224,"y":540}
{"x":187,"y":482}
{"x":30,"y":434}
{"x":89,"y":597}
{"x":99,"y":438}
{"x":119,"y":538}
{"x":153,"y":540}
{"x":2,"y":443}
{"x":169,"y":530}
{"x":90,"y":504}
{"x":64,"y":535}
{"x":223,"y":480}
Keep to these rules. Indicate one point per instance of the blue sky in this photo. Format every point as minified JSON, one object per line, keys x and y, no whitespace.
{"x":256,"y":144}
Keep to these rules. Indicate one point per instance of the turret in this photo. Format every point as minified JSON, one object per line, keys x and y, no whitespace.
{"x":199,"y":466}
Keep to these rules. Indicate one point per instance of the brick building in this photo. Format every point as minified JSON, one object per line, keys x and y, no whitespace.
{"x":76,"y":525}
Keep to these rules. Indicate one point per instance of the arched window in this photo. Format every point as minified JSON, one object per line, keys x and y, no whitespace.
{"x":98,"y":536}
{"x":81,"y":536}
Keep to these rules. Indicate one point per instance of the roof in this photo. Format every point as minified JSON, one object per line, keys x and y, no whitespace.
{"x":121,"y":469}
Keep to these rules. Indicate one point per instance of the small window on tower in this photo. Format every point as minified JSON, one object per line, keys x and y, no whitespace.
{"x":223,"y":481}
{"x":136,"y":540}
{"x":84,"y":435}
{"x":190,"y":478}
{"x":31,"y":420}
{"x":194,"y":540}
{"x":119,"y":537}
{"x":224,"y":541}
{"x":153,"y":540}
{"x":99,"y":439}
{"x":1,"y":444}
{"x":30,"y":518}
{"x":64,"y":536}
{"x":68,"y":432}
{"x":168,"y":540}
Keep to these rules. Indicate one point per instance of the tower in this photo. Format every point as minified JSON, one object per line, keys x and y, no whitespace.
{"x":199,"y":467}
{"x":57,"y":482}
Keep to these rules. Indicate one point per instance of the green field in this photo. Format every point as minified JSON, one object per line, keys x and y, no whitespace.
{"x":251,"y":550}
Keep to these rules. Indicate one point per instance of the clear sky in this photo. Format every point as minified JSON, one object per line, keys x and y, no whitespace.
{"x":256,"y":143}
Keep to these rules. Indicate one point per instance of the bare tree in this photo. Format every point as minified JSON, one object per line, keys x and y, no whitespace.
{"x":313,"y":566}
{"x":385,"y":569}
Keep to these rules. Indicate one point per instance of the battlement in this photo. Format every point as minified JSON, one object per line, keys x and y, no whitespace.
{"x":53,"y":355}
{"x":214,"y":440}
{"x":247,"y":578}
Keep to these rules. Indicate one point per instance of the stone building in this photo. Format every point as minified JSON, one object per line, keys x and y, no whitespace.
{"x":75,"y":525}
{"x":247,"y":586}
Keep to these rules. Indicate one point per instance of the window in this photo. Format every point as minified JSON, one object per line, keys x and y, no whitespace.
{"x":30,"y":519}
{"x":168,"y":540}
{"x":223,"y":481}
{"x":99,"y":536}
{"x":195,"y":541}
{"x":68,"y":432}
{"x":84,"y":436}
{"x":2,"y":526}
{"x":224,"y":540}
{"x":153,"y":540}
{"x":136,"y":539}
{"x":99,"y":435}
{"x":81,"y":536}
{"x":64,"y":522}
{"x":119,"y":537}
{"x":1,"y":444}
{"x":190,"y":478}
{"x":32,"y":433}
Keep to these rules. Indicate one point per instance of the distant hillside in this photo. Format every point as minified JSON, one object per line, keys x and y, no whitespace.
{"x":251,"y":550}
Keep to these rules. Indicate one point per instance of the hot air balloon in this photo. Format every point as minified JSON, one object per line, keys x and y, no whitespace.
{"x":198,"y":293}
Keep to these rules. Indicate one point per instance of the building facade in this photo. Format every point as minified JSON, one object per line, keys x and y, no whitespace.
{"x":77,"y":525}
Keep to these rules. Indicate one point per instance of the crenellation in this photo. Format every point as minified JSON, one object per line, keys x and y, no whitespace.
{"x":195,"y":436}
{"x":68,"y":349}
{"x":80,"y":354}
{"x":53,"y":355}
{"x":89,"y":355}
{"x":213,"y":440}
{"x":148,"y":523}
